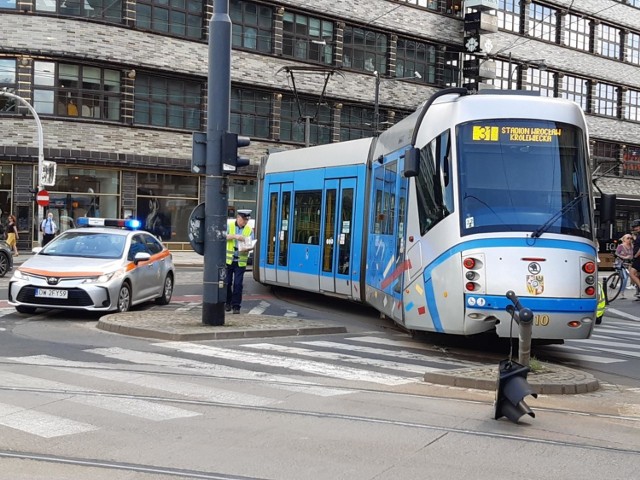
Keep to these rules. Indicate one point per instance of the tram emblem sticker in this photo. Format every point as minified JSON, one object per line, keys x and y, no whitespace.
{"x":535,"y":284}
{"x":534,"y":268}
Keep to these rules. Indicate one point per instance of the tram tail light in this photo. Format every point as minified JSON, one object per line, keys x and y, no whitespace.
{"x":469,"y":263}
{"x":591,"y":291}
{"x":470,"y":286}
{"x":589,"y":267}
{"x":574,"y":324}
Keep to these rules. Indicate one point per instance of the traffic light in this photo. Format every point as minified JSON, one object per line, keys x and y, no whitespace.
{"x":512,"y":388}
{"x":231,"y":142}
{"x":199,"y":152}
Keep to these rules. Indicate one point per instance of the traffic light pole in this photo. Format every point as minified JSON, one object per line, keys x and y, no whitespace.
{"x":216,"y":199}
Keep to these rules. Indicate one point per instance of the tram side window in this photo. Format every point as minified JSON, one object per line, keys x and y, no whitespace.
{"x":433,"y":184}
{"x":306,"y":217}
{"x":385,"y":199}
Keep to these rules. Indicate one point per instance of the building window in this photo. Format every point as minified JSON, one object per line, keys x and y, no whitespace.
{"x":307,"y":38}
{"x":631,"y":161}
{"x":252,"y":25}
{"x":292,"y":121}
{"x":451,"y":69}
{"x":543,"y":22}
{"x":509,"y":15}
{"x":165,"y":203}
{"x":109,"y":10}
{"x":76,"y":91}
{"x":83,"y":192}
{"x":429,"y":4}
{"x":606,"y":100}
{"x":540,"y":80}
{"x":183,"y":18}
{"x":503,"y":80}
{"x":8,"y":82}
{"x":250,"y":112}
{"x":8,"y":4}
{"x":609,"y":44}
{"x":632,"y":104}
{"x":605,"y":152}
{"x":167,"y":102}
{"x":356,"y":122}
{"x":365,"y":50}
{"x":576,"y":89}
{"x":632,"y":43}
{"x":416,"y":57}
{"x":577,"y":32}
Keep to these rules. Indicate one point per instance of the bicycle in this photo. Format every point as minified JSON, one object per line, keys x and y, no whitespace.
{"x":613,"y":284}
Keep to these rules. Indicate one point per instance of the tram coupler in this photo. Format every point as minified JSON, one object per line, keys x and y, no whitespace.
{"x":524,"y":318}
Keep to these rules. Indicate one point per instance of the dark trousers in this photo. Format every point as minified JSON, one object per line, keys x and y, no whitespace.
{"x":235,"y":276}
{"x":47,"y":237}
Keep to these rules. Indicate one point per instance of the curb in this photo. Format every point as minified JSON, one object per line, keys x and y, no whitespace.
{"x":555,"y":380}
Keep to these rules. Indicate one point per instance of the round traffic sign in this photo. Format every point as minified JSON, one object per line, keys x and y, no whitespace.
{"x":43,"y":198}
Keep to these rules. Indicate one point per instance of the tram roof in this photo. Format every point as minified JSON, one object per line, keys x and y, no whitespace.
{"x":352,"y":152}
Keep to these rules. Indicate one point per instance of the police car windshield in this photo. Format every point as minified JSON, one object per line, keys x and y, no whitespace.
{"x":86,"y":244}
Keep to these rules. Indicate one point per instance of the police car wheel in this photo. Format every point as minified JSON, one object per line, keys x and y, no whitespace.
{"x":124,"y":298}
{"x":167,"y":291}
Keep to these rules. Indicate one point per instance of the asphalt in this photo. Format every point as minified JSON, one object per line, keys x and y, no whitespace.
{"x":187,"y":325}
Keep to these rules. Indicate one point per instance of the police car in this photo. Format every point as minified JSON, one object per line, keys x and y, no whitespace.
{"x":103,"y":265}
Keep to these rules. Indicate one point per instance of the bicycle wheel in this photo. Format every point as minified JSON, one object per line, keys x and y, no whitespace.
{"x":613,"y":286}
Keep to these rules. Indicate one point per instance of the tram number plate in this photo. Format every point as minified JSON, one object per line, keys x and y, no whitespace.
{"x":541,"y":320}
{"x":50,"y":293}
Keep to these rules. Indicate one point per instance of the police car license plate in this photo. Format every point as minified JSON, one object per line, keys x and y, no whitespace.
{"x":50,"y":293}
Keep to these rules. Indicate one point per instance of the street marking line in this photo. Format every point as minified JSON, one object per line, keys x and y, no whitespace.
{"x":622,"y":314}
{"x":259,"y":309}
{"x":40,"y":424}
{"x":134,"y":407}
{"x":307,"y":366}
{"x":587,"y":358}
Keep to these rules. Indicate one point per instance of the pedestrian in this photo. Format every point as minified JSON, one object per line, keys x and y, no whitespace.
{"x":635,"y":263}
{"x":48,"y":228}
{"x":624,"y":255}
{"x":12,"y":235}
{"x":239,"y":243}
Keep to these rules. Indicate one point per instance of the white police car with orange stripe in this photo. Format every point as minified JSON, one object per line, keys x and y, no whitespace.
{"x":104,"y":265}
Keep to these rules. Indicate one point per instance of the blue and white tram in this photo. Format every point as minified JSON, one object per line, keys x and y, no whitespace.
{"x":436,"y":219}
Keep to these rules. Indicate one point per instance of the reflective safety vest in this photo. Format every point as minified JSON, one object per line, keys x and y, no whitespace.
{"x":602,"y":301}
{"x":231,"y":244}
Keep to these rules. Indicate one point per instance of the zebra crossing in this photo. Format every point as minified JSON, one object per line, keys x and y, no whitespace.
{"x":120,"y":381}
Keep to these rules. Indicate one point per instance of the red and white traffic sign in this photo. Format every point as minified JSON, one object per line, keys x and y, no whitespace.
{"x":43,"y":198}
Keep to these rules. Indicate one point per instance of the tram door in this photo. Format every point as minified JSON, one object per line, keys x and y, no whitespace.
{"x":278,"y":233}
{"x":337,"y":236}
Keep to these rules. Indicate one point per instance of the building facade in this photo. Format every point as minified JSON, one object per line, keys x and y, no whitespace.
{"x":120,"y":86}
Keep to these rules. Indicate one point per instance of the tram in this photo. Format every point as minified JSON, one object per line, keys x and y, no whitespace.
{"x":434,"y":220}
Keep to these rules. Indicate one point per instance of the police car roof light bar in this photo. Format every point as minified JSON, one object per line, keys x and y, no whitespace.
{"x":129,"y":223}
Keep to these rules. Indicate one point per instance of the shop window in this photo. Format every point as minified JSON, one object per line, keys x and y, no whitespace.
{"x":107,"y":10}
{"x":182,"y":18}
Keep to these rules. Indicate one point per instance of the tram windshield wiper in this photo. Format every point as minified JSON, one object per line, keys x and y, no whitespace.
{"x":539,"y":231}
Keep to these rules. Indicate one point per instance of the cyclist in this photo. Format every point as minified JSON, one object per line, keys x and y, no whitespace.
{"x":624,"y":255}
{"x":635,"y":264}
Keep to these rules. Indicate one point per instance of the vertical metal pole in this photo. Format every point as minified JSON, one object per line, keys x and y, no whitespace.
{"x":524,"y":341}
{"x":216,"y":199}
{"x":376,"y":106}
{"x":510,"y":73}
{"x":307,"y":131}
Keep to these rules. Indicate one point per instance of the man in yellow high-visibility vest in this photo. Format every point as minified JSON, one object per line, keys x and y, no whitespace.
{"x":239,"y":243}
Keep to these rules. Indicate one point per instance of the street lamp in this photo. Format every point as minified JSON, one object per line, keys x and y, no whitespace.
{"x":376,"y":107}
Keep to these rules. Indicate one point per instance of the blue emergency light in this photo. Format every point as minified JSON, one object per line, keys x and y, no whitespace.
{"x":129,"y":223}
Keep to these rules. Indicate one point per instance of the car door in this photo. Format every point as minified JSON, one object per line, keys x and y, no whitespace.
{"x":144,"y":273}
{"x":159,"y":264}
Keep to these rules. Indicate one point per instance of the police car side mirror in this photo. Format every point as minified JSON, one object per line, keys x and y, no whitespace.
{"x":141,"y":257}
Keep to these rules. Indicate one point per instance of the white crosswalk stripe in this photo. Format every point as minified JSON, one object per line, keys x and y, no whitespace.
{"x":40,"y":424}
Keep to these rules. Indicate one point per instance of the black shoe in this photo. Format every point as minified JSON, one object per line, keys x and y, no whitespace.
{"x":227,"y":307}
{"x":236,"y":311}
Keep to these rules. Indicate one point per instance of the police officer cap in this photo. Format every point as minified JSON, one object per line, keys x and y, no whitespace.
{"x":244,"y":213}
{"x":635,"y":223}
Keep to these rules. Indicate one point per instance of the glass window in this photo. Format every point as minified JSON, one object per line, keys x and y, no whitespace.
{"x":632,"y":103}
{"x":365,"y":50}
{"x":631,"y":161}
{"x":577,"y":32}
{"x":416,"y":58}
{"x":109,"y":10}
{"x":609,"y":41}
{"x":306,"y":217}
{"x":183,"y":18}
{"x":307,"y":38}
{"x":252,"y":25}
{"x":6,"y":177}
{"x":292,"y":123}
{"x":451,"y":69}
{"x":356,"y":122}
{"x":504,"y":78}
{"x":509,"y":15}
{"x":7,"y":81}
{"x":250,"y":112}
{"x":384,"y":192}
{"x":164,"y":204}
{"x":167,"y":102}
{"x":76,"y":91}
{"x":8,"y":4}
{"x":632,"y":49}
{"x":606,"y":100}
{"x":576,"y":89}
{"x":543,"y":22}
{"x":606,"y":152}
{"x":429,"y":4}
{"x":542,"y":81}
{"x":519,"y":182}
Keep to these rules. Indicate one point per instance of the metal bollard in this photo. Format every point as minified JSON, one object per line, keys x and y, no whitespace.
{"x":524,"y":318}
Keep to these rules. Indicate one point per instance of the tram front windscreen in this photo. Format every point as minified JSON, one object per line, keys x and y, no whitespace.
{"x":523,"y":175}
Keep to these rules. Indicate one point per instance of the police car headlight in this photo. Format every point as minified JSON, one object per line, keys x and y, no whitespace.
{"x":105,"y":277}
{"x":18,"y":275}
